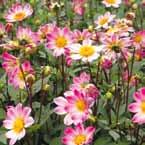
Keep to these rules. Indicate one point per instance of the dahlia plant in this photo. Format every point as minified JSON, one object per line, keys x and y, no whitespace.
{"x":72,"y":72}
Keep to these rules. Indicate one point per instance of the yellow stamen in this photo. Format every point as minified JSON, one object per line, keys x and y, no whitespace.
{"x":61,"y":42}
{"x":103,"y":21}
{"x":87,"y":51}
{"x":19,"y":16}
{"x":80,"y":139}
{"x":81,"y":105}
{"x":18,"y":125}
{"x":143,"y":106}
{"x":138,"y":38}
{"x":111,"y":1}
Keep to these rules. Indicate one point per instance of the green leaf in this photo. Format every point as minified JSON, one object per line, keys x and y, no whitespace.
{"x":34,"y":128}
{"x":55,"y":141}
{"x":3,"y":140}
{"x":114,"y":135}
{"x":102,"y":141}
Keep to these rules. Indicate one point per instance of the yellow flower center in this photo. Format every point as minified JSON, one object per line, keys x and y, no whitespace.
{"x":61,"y":42}
{"x":87,"y":51}
{"x":81,"y":105}
{"x":18,"y":125}
{"x":143,"y":106}
{"x":138,"y":38}
{"x":19,"y":16}
{"x":111,"y":1}
{"x":79,"y":139}
{"x":103,"y":21}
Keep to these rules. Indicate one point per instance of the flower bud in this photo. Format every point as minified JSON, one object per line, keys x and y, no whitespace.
{"x":1,"y":85}
{"x":108,"y":95}
{"x":46,"y":87}
{"x":92,"y":118}
{"x":31,"y":48}
{"x":90,"y":28}
{"x":130,"y":15}
{"x":30,"y":79}
{"x":134,"y":6}
{"x":112,"y":89}
{"x":8,"y":27}
{"x":46,"y":70}
{"x":37,"y":22}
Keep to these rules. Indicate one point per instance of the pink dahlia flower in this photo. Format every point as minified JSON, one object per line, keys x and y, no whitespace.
{"x":78,"y":6}
{"x":27,"y":37}
{"x":115,"y":46}
{"x":18,"y":12}
{"x":106,"y":62}
{"x":75,"y":106}
{"x":59,"y":40}
{"x":138,"y":107}
{"x":80,"y":36}
{"x":44,"y":30}
{"x":17,"y":77}
{"x":17,"y":120}
{"x":78,"y":135}
{"x":10,"y":62}
{"x":104,"y":20}
{"x":139,"y":39}
{"x":112,"y":3}
{"x":82,"y":84}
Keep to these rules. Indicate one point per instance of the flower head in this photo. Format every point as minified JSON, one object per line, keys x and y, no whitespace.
{"x":82,"y":84}
{"x":115,"y":45}
{"x":26,"y":37}
{"x":76,"y":106}
{"x":17,"y":120}
{"x":18,"y":75}
{"x":44,"y":30}
{"x":80,"y":36}
{"x":112,"y":3}
{"x":86,"y":51}
{"x":78,"y":6}
{"x":106,"y":62}
{"x":139,"y":39}
{"x":138,"y":107}
{"x":78,"y":135}
{"x":10,"y":62}
{"x":120,"y":27}
{"x":18,"y":12}
{"x":59,"y":40}
{"x":104,"y":20}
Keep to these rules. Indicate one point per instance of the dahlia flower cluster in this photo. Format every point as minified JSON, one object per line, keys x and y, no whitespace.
{"x":105,"y":54}
{"x":76,"y":106}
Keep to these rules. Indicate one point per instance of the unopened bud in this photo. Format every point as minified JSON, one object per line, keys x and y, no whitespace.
{"x":46,"y":87}
{"x":130,"y":15}
{"x":90,"y":28}
{"x":30,"y":49}
{"x":37,"y":21}
{"x":113,"y":89}
{"x":108,"y":95}
{"x":30,"y":79}
{"x":1,"y":86}
{"x":8,"y":27}
{"x":46,"y":70}
{"x":134,"y":6}
{"x":92,"y":118}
